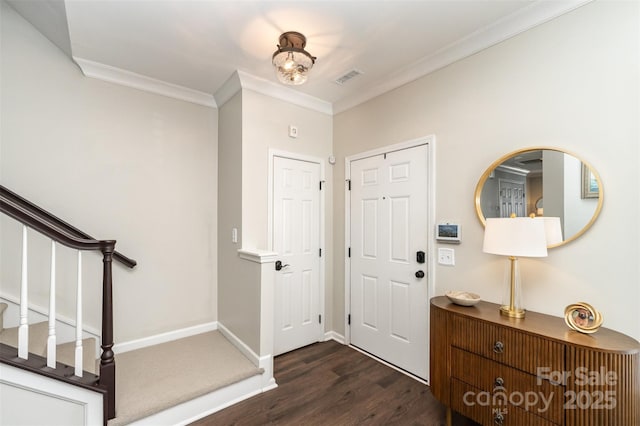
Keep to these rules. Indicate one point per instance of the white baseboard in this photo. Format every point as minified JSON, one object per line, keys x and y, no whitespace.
{"x":165,"y":337}
{"x":332,"y":335}
{"x":240,"y":345}
{"x":264,"y":362}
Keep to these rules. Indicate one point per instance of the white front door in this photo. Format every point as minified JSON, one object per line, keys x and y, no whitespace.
{"x":296,"y":239}
{"x":389,"y":301}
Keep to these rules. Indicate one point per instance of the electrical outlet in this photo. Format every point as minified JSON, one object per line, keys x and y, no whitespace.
{"x":446,"y":256}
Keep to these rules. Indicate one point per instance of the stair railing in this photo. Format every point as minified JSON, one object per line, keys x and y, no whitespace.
{"x":33,"y":217}
{"x":7,"y":194}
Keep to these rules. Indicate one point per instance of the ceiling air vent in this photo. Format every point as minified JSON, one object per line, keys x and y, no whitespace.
{"x":348,"y":76}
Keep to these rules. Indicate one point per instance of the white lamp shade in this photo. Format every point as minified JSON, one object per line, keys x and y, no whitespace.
{"x":518,"y":237}
{"x":553,"y":230}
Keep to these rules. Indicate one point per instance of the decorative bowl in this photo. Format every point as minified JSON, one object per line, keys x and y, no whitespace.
{"x":463,"y":298}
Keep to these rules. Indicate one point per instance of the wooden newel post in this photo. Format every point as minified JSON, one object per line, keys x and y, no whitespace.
{"x":107,"y":359}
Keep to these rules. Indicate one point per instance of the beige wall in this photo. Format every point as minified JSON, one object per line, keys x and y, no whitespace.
{"x":265,"y":126}
{"x":118,"y":163}
{"x":561,"y":84}
{"x":571,"y":83}
{"x":250,"y":125}
{"x":238,"y":290}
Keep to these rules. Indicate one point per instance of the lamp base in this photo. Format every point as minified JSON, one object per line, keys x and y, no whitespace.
{"x":511,"y":312}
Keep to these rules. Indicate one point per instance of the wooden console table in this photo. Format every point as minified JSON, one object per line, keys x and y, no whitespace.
{"x":532,"y":371}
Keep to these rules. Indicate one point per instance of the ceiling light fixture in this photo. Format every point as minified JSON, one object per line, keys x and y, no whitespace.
{"x":292,"y":62}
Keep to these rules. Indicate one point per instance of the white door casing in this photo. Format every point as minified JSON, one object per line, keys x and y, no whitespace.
{"x":389,"y":223}
{"x":296,"y":238}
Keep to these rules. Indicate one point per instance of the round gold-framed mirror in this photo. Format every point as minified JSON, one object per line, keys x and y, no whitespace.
{"x":517,"y":183}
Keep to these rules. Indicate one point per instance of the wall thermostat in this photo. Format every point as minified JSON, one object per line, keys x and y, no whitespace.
{"x":448,"y":233}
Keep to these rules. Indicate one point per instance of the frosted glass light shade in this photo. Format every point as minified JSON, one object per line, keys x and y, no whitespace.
{"x":292,"y":63}
{"x":518,"y":237}
{"x":292,"y":67}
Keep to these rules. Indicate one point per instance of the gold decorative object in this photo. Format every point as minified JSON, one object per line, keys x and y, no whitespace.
{"x":583,"y":317}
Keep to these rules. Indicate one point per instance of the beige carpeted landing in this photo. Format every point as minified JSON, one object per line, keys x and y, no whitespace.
{"x":155,"y":378}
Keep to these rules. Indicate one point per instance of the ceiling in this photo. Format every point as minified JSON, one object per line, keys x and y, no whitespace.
{"x":194,"y":47}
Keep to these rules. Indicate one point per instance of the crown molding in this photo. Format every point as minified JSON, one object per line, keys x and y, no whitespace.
{"x":137,"y":81}
{"x":522,"y":20}
{"x":243,"y":80}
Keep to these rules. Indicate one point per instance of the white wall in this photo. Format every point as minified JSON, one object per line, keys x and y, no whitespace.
{"x":265,"y":126}
{"x":117,"y":163}
{"x":578,"y":211}
{"x":572,"y":83}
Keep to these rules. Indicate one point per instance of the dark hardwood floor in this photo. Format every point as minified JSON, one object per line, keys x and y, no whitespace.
{"x":332,"y":384}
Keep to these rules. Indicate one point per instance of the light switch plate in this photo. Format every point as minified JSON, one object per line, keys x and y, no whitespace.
{"x":446,"y":256}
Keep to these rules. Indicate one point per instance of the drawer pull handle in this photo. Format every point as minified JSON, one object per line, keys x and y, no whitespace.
{"x":498,"y":419}
{"x":498,"y":383}
{"x":498,"y":347}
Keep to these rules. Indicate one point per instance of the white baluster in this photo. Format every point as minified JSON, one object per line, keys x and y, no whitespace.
{"x":23,"y":329}
{"x":51,"y":340}
{"x":78,"y":363}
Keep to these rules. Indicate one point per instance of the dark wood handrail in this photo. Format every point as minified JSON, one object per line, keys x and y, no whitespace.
{"x":21,"y":207}
{"x":34,"y":217}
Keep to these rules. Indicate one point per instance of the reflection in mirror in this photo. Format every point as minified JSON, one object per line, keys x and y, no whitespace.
{"x":519,"y":182}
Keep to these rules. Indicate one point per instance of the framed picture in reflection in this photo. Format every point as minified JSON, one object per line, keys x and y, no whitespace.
{"x":590,"y":187}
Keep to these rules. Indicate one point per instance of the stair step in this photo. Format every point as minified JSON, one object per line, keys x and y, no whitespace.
{"x":38,"y":333}
{"x":65,"y":354}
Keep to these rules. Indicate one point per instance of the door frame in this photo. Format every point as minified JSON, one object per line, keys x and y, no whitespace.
{"x":321,"y":273}
{"x":430,"y":141}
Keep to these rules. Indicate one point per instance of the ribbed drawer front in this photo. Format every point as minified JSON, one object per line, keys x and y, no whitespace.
{"x":604,"y":389}
{"x":504,"y":383}
{"x":506,"y":345}
{"x":462,"y":401}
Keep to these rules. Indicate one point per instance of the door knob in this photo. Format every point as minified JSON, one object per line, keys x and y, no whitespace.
{"x":420,"y":274}
{"x":279,"y":265}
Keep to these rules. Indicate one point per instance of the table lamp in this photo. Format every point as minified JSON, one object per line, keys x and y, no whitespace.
{"x":515,"y":237}
{"x":553,"y":230}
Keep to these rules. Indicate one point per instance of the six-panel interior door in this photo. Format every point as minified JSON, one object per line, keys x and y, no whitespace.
{"x":389,"y":303}
{"x":296,"y":239}
{"x":512,"y":198}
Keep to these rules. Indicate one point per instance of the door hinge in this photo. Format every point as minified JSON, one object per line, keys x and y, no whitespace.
{"x":319,"y":319}
{"x":320,"y":252}
{"x":385,"y":155}
{"x":349,"y":252}
{"x":349,"y":319}
{"x":321,"y":182}
{"x":349,"y":182}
